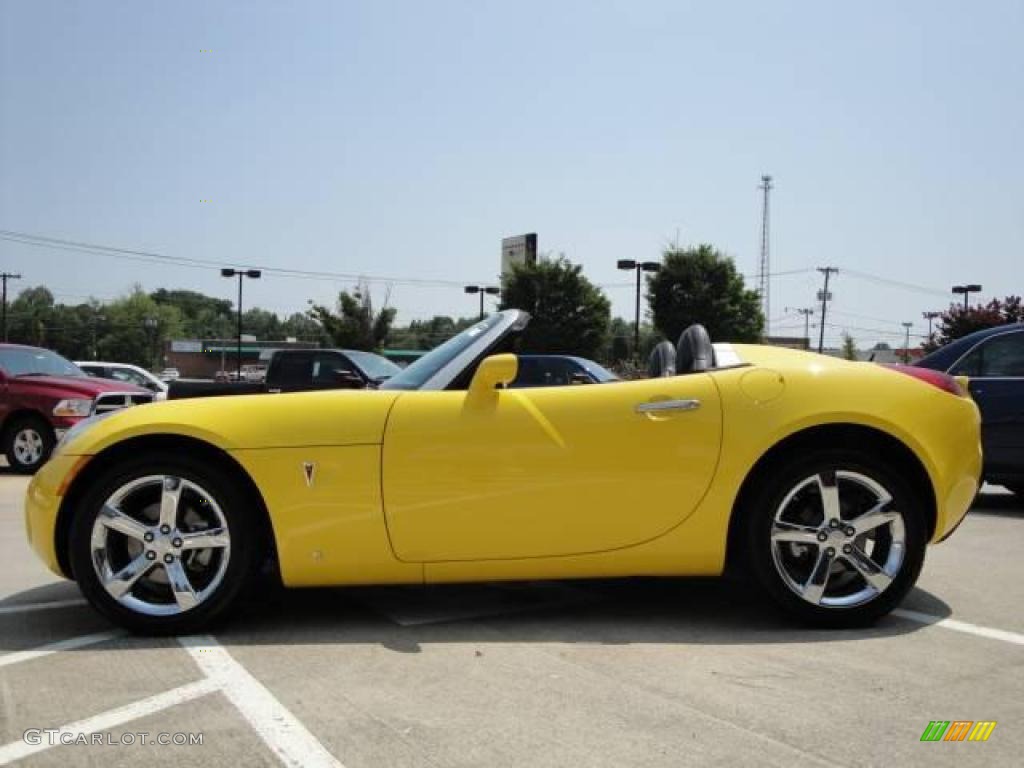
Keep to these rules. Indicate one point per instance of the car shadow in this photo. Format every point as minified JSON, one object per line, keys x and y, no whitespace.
{"x":998,"y":504}
{"x":405,"y":618}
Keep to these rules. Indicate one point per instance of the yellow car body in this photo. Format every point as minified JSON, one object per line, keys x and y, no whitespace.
{"x":551,"y":482}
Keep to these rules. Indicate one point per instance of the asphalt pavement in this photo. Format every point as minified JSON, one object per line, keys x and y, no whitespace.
{"x":604,"y":673}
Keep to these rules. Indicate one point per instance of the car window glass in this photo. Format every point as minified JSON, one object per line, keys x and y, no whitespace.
{"x":326,"y":369}
{"x":1003,"y":355}
{"x":293,"y":369}
{"x":127,"y":375}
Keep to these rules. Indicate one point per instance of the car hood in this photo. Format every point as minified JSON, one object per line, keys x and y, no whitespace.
{"x":85,"y":386}
{"x":243,"y":422}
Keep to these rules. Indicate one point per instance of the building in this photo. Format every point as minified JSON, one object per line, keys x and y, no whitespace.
{"x":202,"y":358}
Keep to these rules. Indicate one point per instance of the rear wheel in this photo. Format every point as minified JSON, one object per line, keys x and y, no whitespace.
{"x":28,"y":443}
{"x":163,"y":545}
{"x":836,"y":538}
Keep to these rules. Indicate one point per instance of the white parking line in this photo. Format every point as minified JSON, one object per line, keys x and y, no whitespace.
{"x":61,"y":645}
{"x":26,"y":607}
{"x":961,"y":626}
{"x":280,"y":730}
{"x":17,"y":750}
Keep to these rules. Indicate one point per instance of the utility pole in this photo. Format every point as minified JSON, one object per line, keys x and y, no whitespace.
{"x":930,"y":316}
{"x":5,"y":276}
{"x":763,"y":273}
{"x":825,"y":297}
{"x":806,"y":312}
{"x":906,"y":343}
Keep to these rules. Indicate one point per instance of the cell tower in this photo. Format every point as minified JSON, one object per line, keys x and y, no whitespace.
{"x":763,"y":272}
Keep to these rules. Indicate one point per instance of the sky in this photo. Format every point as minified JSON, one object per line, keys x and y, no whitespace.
{"x":402,"y":140}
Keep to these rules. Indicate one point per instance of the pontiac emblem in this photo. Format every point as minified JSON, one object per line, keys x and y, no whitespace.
{"x":308,"y":467}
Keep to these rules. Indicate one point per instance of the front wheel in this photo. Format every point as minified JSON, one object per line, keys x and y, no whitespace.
{"x":163,"y":545}
{"x":28,"y":443}
{"x":837,"y":539}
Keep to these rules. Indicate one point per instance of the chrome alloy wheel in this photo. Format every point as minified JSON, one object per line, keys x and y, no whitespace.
{"x":835,"y":541}
{"x":28,"y":446}
{"x":160,"y":545}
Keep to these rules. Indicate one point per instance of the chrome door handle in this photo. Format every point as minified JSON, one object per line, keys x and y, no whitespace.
{"x":655,"y":406}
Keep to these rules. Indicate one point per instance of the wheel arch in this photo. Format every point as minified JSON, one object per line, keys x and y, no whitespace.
{"x":21,"y":413}
{"x":192,"y":447}
{"x":835,"y":435}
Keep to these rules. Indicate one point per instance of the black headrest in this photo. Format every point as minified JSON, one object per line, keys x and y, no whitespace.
{"x":662,"y":361}
{"x":694,"y":352}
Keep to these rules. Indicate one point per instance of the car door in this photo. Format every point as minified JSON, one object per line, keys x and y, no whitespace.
{"x":547,"y":471}
{"x":996,"y":371}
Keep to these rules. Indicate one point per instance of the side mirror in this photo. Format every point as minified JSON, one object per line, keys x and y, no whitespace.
{"x":579,"y":378}
{"x":494,"y":370}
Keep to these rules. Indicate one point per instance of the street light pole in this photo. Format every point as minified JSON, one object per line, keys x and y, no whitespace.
{"x":240,"y":273}
{"x":906,"y":343}
{"x":493,"y":290}
{"x":967,"y":290}
{"x":930,"y":316}
{"x":639,"y":266}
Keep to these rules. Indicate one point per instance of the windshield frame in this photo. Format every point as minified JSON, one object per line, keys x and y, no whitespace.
{"x":447,"y":366}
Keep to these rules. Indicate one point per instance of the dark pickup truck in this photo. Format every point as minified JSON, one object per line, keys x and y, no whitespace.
{"x":300,"y":370}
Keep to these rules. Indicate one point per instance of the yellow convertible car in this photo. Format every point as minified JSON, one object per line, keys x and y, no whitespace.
{"x":822,"y":479}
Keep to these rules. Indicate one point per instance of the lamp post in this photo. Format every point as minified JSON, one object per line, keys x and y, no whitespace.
{"x":906,"y":343}
{"x":967,"y":290}
{"x":930,"y":317}
{"x":639,"y":267}
{"x":240,"y":273}
{"x":493,"y":290}
{"x":96,"y":319}
{"x":150,"y":323}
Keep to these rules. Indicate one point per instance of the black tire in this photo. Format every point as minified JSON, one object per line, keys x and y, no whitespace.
{"x":758,"y":521}
{"x":234,"y":502}
{"x":42,"y":439}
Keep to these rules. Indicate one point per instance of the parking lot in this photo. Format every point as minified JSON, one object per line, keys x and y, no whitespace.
{"x":636,"y":672}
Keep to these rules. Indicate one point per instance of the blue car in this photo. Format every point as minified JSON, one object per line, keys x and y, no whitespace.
{"x":994,"y":361}
{"x":558,"y":370}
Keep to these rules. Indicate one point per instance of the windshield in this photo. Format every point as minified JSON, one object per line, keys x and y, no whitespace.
{"x":599,"y":372}
{"x":26,"y":361}
{"x":417,"y":374}
{"x":376,"y":367}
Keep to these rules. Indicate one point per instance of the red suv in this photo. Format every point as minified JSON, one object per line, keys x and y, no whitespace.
{"x":42,"y":395}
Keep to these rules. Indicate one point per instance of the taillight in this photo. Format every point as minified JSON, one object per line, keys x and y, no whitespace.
{"x":938,"y":379}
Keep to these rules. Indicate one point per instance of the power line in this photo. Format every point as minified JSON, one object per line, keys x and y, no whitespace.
{"x":196,"y":263}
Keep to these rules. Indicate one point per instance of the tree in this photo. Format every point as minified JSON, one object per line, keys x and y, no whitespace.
{"x":202,"y":316}
{"x":304,"y":328}
{"x":849,"y":347}
{"x":32,"y":316}
{"x":138,"y":329}
{"x":569,"y":314}
{"x":261,"y":323}
{"x":355,"y":324}
{"x":959,"y":321}
{"x":427,"y":334}
{"x":701,"y":285}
